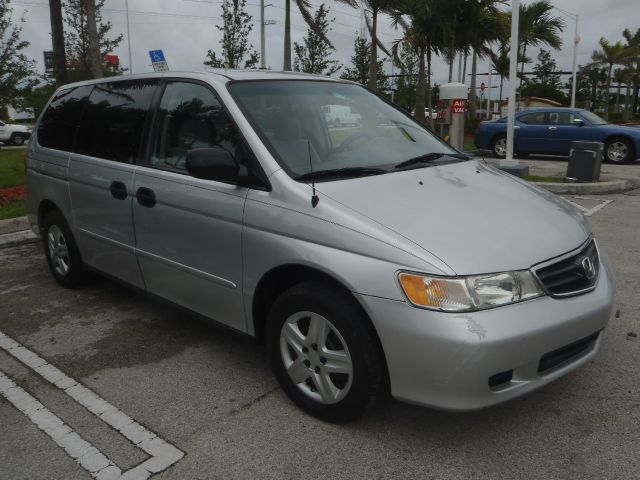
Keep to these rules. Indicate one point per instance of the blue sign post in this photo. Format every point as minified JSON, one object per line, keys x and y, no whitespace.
{"x":158,"y":61}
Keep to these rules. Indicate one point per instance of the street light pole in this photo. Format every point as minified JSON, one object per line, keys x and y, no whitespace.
{"x":576,"y":41}
{"x":513,"y":66}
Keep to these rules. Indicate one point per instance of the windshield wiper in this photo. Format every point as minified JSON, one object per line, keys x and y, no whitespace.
{"x":341,"y":173}
{"x":429,"y":157}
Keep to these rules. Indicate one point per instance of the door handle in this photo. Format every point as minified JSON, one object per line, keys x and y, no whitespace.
{"x":118,"y":190}
{"x":146,"y":197}
{"x":516,"y":127}
{"x":553,"y":128}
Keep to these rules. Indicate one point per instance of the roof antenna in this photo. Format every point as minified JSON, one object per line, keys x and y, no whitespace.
{"x":314,"y":197}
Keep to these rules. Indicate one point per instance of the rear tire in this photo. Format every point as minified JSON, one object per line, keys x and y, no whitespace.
{"x":619,"y":150}
{"x":61,"y":250}
{"x":323,"y":352}
{"x":499,"y":146}
{"x":17,"y":139}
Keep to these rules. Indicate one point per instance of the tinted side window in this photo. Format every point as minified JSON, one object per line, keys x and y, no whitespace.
{"x":561,"y":118}
{"x":190,"y":116}
{"x":60,"y":121}
{"x":114,"y":118}
{"x":533,"y":118}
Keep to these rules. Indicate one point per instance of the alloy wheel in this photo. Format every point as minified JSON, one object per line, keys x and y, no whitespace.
{"x":58,"y":250}
{"x":316,"y":357}
{"x":500,"y":147}
{"x":617,"y":151}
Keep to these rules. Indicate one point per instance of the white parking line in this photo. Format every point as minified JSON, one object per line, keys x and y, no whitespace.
{"x":163,"y":454}
{"x":590,"y":211}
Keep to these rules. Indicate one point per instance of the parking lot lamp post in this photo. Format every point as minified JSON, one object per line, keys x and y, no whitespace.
{"x":513,"y":65}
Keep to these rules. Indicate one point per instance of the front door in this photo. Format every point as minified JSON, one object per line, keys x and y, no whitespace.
{"x":563,"y":130}
{"x":530,"y":133}
{"x":188,"y":230}
{"x":101,"y":171}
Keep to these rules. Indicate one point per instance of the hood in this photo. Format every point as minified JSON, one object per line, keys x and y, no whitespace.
{"x":473,"y":217}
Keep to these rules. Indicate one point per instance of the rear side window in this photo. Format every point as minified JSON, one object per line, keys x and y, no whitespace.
{"x":59,"y":123}
{"x":114,"y":118}
{"x":537,"y":118}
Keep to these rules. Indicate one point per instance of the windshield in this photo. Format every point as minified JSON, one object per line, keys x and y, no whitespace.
{"x":592,"y":118}
{"x":321,"y":126}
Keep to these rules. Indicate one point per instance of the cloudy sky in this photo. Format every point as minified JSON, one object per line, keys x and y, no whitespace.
{"x":185,"y":29}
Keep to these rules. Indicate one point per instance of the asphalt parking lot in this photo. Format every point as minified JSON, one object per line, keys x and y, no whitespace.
{"x":199,"y":403}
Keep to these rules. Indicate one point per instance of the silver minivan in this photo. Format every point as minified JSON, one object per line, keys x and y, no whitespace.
{"x":372,"y":259}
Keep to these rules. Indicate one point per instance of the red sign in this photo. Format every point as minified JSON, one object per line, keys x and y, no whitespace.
{"x":458,"y":106}
{"x":482,"y":87}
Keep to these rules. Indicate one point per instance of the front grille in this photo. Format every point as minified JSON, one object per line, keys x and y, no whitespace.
{"x":566,"y":354}
{"x":571,"y":275}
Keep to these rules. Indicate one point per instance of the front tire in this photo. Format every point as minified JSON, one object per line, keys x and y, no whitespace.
{"x":63,"y":256}
{"x":323,"y":353}
{"x":618,"y":150}
{"x":499,"y":146}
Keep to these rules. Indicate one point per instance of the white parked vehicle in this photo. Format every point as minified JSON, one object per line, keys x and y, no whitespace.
{"x":340,"y":116}
{"x":14,"y":134}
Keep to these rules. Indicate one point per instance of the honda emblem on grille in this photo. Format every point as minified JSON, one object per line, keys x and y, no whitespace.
{"x":588,"y":267}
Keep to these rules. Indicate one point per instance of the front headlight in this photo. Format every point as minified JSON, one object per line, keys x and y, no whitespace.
{"x":476,"y":292}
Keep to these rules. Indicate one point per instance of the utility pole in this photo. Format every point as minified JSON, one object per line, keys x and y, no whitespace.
{"x":57,"y":41}
{"x":95,"y":62}
{"x":126,"y":5}
{"x":263,"y":61}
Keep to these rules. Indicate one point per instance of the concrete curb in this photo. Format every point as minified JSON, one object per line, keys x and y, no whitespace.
{"x":17,"y":238}
{"x":14,"y":225}
{"x":15,"y":231}
{"x":599,"y":188}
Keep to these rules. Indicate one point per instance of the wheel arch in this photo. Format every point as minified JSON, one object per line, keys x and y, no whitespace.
{"x":279,"y":279}
{"x":45,"y":207}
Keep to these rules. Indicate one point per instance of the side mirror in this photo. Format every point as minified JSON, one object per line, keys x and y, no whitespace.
{"x":214,"y":164}
{"x":578,"y":122}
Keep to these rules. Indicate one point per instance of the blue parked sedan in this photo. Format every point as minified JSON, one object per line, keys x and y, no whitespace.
{"x":550,"y":131}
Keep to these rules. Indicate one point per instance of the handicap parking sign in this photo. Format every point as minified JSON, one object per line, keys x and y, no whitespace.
{"x":156,"y":56}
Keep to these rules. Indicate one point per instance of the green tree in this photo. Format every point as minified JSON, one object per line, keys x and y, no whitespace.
{"x":408,"y":79}
{"x":17,"y":72}
{"x":546,"y":81}
{"x":359,"y":69}
{"x":236,"y":27}
{"x":77,"y":39}
{"x":538,"y":27}
{"x":313,"y":55}
{"x":304,"y":6}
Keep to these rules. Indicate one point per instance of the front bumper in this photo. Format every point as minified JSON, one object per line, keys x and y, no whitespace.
{"x":445,"y":360}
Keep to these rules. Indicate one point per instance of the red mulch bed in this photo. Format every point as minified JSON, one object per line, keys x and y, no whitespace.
{"x":8,"y":195}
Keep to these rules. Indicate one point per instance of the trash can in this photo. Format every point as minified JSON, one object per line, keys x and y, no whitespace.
{"x":585,"y":161}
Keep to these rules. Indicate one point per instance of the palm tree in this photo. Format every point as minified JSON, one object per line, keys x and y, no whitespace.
{"x":633,"y":64}
{"x":501,"y":61}
{"x":538,"y":27}
{"x":375,"y":7}
{"x":487,"y":25}
{"x":304,"y":6}
{"x":424,"y":32}
{"x":609,"y":55}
